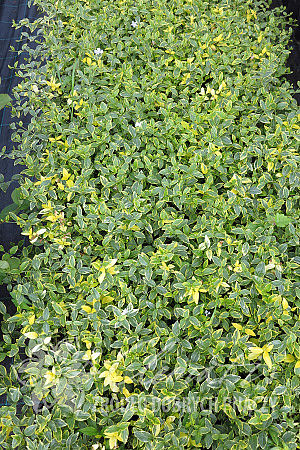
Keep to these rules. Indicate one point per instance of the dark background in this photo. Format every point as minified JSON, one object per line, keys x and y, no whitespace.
{"x":293,"y":6}
{"x":9,"y":10}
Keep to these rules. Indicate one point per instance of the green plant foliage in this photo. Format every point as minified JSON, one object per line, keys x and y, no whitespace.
{"x":162,"y":276}
{"x":4,"y":100}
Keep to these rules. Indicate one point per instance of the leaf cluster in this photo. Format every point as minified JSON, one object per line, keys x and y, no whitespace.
{"x":163,"y":267}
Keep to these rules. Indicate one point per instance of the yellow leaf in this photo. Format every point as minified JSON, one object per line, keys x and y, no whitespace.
{"x":289,"y":358}
{"x":297,"y":365}
{"x":31,"y":320}
{"x":102,"y":276}
{"x":196,"y":296}
{"x":170,"y":419}
{"x":88,"y":344}
{"x":267,"y":359}
{"x":87,"y":355}
{"x":127,"y":380}
{"x":268,"y":348}
{"x":112,"y":270}
{"x":185,"y":78}
{"x":193,"y":443}
{"x":108,"y":365}
{"x":52,"y":218}
{"x":113,"y":437}
{"x":107,"y":299}
{"x":219,"y":38}
{"x":86,"y":308}
{"x":249,"y":332}
{"x":66,"y":174}
{"x":96,"y":265}
{"x":156,"y":430}
{"x":285,"y":304}
{"x":204,"y":169}
{"x":256,"y":350}
{"x":126,"y":392}
{"x":50,"y":376}
{"x":70,"y":183}
{"x":237,"y":326}
{"x":31,"y":335}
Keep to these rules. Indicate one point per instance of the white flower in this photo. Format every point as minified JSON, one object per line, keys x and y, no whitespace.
{"x":98,"y":51}
{"x":138,"y":124}
{"x":134,"y":24}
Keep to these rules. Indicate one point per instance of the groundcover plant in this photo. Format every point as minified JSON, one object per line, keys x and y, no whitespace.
{"x":158,"y":299}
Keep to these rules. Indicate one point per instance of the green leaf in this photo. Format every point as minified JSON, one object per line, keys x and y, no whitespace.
{"x":5,"y":99}
{"x":4,"y":266}
{"x":282,"y":221}
{"x":16,"y":196}
{"x":5,"y":211}
{"x":57,"y":308}
{"x":142,"y":436}
{"x":195,"y":205}
{"x":89,"y":431}
{"x":176,"y":328}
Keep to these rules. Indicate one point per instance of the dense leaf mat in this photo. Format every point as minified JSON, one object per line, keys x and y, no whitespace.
{"x":158,"y":300}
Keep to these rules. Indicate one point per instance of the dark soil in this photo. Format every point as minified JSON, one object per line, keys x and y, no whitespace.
{"x":293,"y":7}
